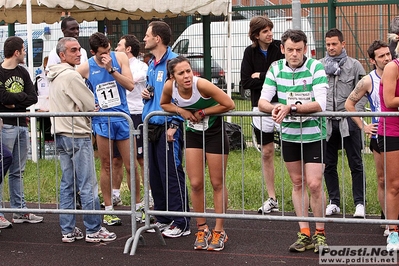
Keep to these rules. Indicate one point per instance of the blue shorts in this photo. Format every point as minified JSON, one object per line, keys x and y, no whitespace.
{"x":112,"y":130}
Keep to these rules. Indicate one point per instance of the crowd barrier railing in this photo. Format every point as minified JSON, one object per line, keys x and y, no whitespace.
{"x":283,"y":215}
{"x":242,"y":212}
{"x":41,"y":207}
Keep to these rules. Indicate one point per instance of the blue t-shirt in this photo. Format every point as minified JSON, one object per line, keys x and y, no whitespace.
{"x":156,"y":77}
{"x":108,"y":94}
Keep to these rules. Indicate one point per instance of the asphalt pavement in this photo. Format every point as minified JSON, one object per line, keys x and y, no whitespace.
{"x":250,"y":242}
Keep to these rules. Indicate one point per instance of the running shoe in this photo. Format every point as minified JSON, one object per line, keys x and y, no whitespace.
{"x":269,"y":206}
{"x":393,"y":241}
{"x":101,"y":235}
{"x":218,"y":240}
{"x":26,"y":218}
{"x":319,"y":241}
{"x":175,"y":232}
{"x":386,"y":231}
{"x":77,"y":234}
{"x":203,"y":238}
{"x":112,"y":220}
{"x":116,"y":201}
{"x":360,"y":212}
{"x":4,"y":223}
{"x":162,"y":227}
{"x":302,"y":243}
{"x":332,"y":209}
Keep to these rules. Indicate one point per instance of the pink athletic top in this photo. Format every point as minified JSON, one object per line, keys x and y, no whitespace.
{"x":391,"y":123}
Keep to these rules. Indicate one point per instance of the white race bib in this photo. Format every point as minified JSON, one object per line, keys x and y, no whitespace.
{"x":201,"y":125}
{"x":298,"y":98}
{"x":108,"y":95}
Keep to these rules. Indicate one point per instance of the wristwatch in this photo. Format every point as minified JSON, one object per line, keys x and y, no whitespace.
{"x":113,"y":69}
{"x":293,"y":109}
{"x":174,"y":126}
{"x":201,"y":113}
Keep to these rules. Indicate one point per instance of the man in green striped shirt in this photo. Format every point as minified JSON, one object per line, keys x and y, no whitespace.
{"x":301,"y":86}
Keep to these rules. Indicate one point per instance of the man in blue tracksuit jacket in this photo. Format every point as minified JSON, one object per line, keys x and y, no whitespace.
{"x":167,"y":178}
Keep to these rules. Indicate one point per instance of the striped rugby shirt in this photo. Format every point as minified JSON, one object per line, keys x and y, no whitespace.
{"x":297,"y":86}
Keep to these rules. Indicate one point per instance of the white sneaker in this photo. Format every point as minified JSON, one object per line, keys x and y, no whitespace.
{"x":359,"y":213}
{"x":175,"y":231}
{"x":162,"y":227}
{"x":140,"y":206}
{"x":139,"y":211}
{"x":101,"y":235}
{"x":77,"y":234}
{"x":4,"y":223}
{"x":151,"y":201}
{"x":116,"y":201}
{"x":332,"y":209}
{"x":386,"y":231}
{"x":270,"y":205}
{"x":26,"y":218}
{"x":393,"y":241}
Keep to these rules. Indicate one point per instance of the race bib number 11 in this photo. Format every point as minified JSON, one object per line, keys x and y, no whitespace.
{"x":108,"y":95}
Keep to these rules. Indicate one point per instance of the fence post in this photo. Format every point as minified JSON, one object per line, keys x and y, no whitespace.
{"x":296,"y":15}
{"x":331,"y":14}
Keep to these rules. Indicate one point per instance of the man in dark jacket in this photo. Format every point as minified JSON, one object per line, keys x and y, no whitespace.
{"x":256,"y":61}
{"x":16,"y":94}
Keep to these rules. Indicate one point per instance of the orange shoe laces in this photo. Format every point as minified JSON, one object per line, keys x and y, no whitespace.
{"x":200,"y":236}
{"x":215,"y":237}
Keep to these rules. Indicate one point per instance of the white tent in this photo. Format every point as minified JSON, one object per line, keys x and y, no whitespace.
{"x":50,"y":11}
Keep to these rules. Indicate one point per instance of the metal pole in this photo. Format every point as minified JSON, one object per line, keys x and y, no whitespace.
{"x":30,"y":68}
{"x":296,"y":14}
{"x":229,"y":55}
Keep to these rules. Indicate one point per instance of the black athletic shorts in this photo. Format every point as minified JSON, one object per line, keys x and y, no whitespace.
{"x":216,"y":139}
{"x":391,"y":143}
{"x":313,"y":152}
{"x":266,"y":137}
{"x":374,"y":145}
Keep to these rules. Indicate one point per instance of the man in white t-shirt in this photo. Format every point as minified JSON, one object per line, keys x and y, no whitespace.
{"x":70,"y":28}
{"x":130,"y":45}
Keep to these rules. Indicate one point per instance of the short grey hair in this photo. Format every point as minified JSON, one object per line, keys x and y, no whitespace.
{"x":61,"y":44}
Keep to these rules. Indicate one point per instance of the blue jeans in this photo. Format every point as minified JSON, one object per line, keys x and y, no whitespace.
{"x":77,"y":165}
{"x":5,"y":161}
{"x":15,"y":139}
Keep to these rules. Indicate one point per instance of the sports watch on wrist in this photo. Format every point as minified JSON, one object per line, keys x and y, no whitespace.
{"x":201,"y":113}
{"x":174,"y":126}
{"x":293,"y":109}
{"x":113,"y":69}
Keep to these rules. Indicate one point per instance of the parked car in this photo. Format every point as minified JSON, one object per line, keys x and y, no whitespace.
{"x":218,"y":74}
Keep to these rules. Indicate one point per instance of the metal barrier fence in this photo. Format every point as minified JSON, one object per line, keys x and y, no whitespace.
{"x":246,"y":192}
{"x":283,"y":190}
{"x":40,"y":206}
